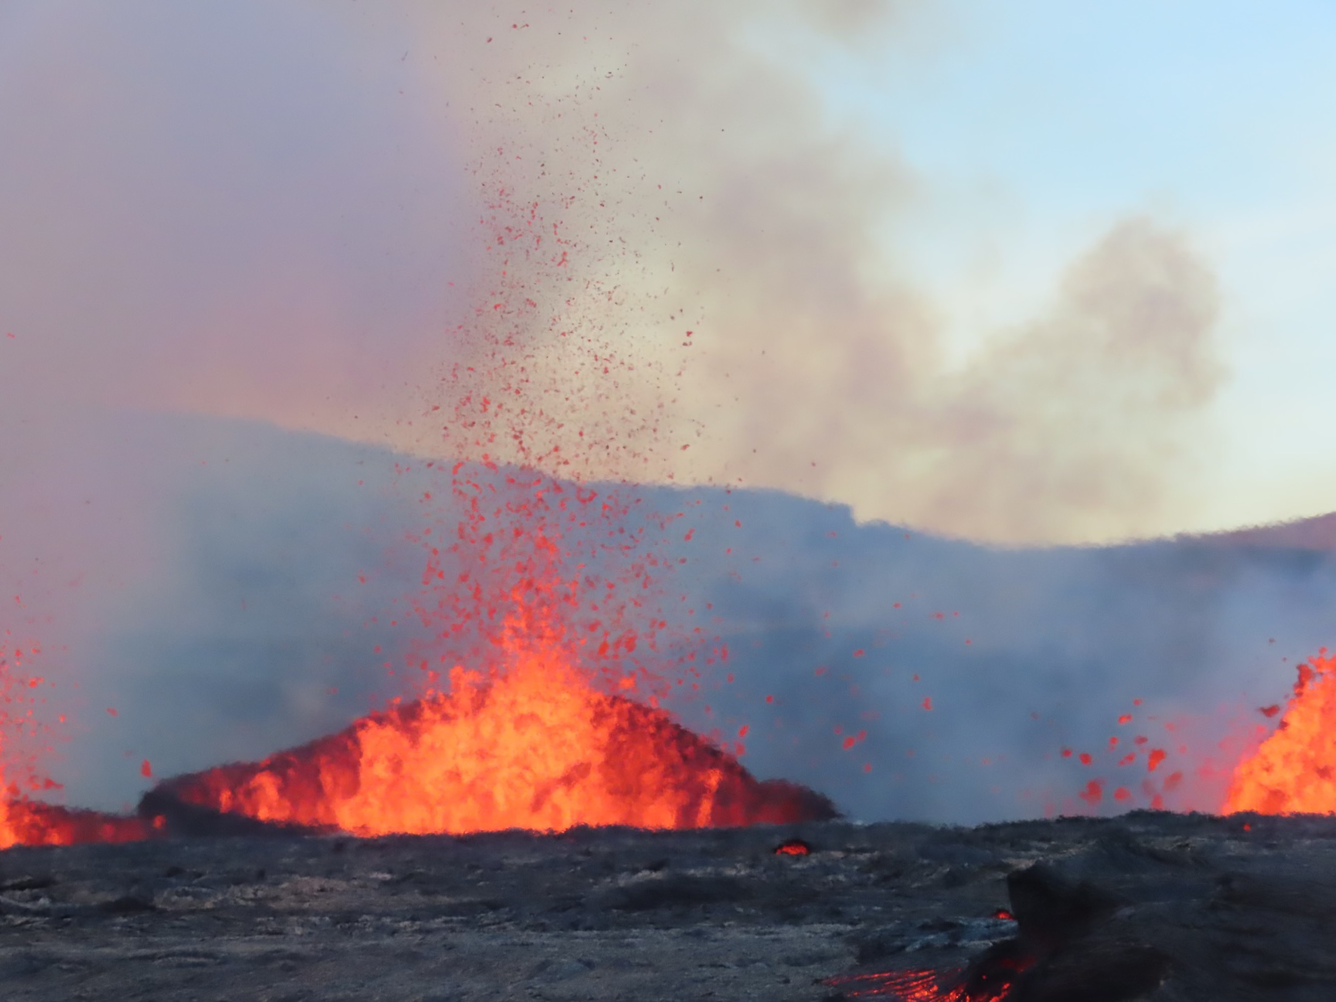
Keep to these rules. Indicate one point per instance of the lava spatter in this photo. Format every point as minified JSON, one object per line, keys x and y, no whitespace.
{"x":24,"y":821}
{"x":540,"y":603}
{"x":535,"y":746}
{"x":1294,"y":770}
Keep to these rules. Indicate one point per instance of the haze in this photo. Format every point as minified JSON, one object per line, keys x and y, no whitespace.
{"x":1044,"y":276}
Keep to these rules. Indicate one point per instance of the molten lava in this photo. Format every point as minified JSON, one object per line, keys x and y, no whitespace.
{"x":906,"y":986}
{"x":987,"y":982}
{"x":29,"y":822}
{"x":536,"y":747}
{"x":1294,"y":770}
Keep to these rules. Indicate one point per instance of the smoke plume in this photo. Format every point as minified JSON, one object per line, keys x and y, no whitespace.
{"x":730,"y":238}
{"x":290,"y":214}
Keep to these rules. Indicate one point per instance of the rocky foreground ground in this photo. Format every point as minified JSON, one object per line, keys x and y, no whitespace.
{"x":1164,"y":907}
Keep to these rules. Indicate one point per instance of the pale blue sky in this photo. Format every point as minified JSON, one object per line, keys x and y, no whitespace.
{"x":1035,"y":124}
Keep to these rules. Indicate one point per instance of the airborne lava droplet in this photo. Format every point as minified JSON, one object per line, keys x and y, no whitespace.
{"x":1093,"y":793}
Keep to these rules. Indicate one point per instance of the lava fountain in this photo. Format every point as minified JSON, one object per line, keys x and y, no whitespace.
{"x":1294,"y":770}
{"x":541,"y":604}
{"x":534,"y":747}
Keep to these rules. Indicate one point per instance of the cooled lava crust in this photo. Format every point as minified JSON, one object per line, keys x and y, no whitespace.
{"x":1168,"y":908}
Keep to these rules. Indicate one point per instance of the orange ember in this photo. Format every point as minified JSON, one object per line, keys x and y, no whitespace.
{"x":535,"y":747}
{"x":995,"y":976}
{"x":907,"y":986}
{"x":955,"y":985}
{"x":1294,"y":770}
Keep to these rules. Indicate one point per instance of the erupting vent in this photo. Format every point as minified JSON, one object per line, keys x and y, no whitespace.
{"x":535,"y":748}
{"x":1294,"y":770}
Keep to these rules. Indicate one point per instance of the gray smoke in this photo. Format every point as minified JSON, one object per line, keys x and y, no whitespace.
{"x":280,"y":213}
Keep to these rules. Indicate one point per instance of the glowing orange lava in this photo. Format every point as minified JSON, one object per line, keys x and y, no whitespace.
{"x":29,"y":822}
{"x":536,"y":747}
{"x":1294,"y":770}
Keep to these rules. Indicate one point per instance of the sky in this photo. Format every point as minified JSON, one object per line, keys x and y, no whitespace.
{"x":1040,"y":121}
{"x":1048,"y":273}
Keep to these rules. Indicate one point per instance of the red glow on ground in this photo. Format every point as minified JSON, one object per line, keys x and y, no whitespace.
{"x":991,"y":983}
{"x":793,"y":847}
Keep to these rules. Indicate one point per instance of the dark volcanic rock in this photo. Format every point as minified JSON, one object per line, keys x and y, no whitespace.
{"x":1155,"y":907}
{"x":1052,"y":910}
{"x":176,"y":817}
{"x":1097,"y":970}
{"x":673,"y":891}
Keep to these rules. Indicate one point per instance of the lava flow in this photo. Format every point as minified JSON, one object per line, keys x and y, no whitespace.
{"x":535,"y":747}
{"x":1294,"y":770}
{"x":924,"y":986}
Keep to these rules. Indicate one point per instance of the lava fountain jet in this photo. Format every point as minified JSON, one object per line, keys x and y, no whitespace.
{"x":1294,"y":770}
{"x":535,"y":747}
{"x":532,"y":731}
